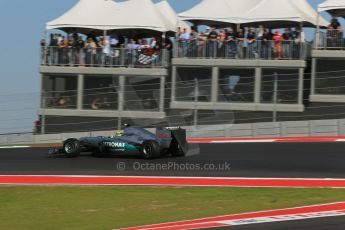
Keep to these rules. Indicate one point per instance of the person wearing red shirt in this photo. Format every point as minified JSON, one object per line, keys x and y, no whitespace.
{"x":277,"y":44}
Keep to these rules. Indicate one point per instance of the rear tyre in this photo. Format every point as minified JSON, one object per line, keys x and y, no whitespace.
{"x":150,"y":149}
{"x":71,"y":148}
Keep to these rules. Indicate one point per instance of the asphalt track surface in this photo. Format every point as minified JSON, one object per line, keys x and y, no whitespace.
{"x":332,"y":223}
{"x":269,"y":160}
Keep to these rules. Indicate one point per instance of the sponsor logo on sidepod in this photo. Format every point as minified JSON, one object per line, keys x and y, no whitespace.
{"x":114,"y":144}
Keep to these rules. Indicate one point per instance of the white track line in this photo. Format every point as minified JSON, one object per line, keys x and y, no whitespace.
{"x":14,"y":147}
{"x":246,"y":141}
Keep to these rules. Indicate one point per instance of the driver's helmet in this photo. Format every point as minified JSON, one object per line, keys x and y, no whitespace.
{"x":119,"y":133}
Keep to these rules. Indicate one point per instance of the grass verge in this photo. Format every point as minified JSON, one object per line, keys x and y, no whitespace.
{"x":94,"y":208}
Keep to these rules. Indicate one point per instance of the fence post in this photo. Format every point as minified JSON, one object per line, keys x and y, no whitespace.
{"x":196,"y":99}
{"x":275,"y":96}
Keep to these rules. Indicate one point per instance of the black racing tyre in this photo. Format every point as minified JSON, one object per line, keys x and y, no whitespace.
{"x":175,"y":149}
{"x":150,"y":149}
{"x":100,"y":152}
{"x":71,"y":148}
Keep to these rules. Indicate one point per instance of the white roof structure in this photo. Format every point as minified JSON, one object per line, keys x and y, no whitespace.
{"x":305,"y":7}
{"x":169,"y":13}
{"x":142,"y":14}
{"x":109,"y":15}
{"x":334,"y":7}
{"x":281,"y":13}
{"x":210,"y":11}
{"x":275,"y":13}
{"x":89,"y":14}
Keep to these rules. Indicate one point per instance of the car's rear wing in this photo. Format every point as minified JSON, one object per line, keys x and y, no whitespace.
{"x":174,"y":133}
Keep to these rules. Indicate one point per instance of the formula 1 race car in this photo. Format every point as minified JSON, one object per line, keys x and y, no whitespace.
{"x":132,"y":140}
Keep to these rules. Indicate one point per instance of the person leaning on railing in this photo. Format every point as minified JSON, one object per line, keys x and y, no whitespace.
{"x":212,"y":39}
{"x":63,"y":48}
{"x":334,"y":34}
{"x":183,"y":41}
{"x":193,"y":47}
{"x":90,"y":51}
{"x":277,"y":43}
{"x":230,"y":41}
{"x":251,"y":41}
{"x":240,"y":37}
{"x":287,"y":43}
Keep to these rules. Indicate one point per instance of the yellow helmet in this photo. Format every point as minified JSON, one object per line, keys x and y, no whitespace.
{"x":119,"y":133}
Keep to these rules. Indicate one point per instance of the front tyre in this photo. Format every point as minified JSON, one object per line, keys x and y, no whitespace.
{"x":71,"y":148}
{"x":150,"y":149}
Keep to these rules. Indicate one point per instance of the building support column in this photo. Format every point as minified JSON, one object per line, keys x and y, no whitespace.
{"x":121,"y":96}
{"x":300,"y":86}
{"x":313,"y":75}
{"x":162,"y":94}
{"x":43,"y":105}
{"x":80,"y":94}
{"x":215,"y":84}
{"x":257,"y":86}
{"x":173,"y":84}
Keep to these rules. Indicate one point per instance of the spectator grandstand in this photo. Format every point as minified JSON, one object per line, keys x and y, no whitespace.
{"x":220,"y":70}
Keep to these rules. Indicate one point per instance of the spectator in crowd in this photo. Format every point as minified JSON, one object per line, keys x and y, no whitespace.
{"x":251,"y":41}
{"x":90,"y":51}
{"x":63,"y":47}
{"x":70,"y":50}
{"x":202,"y":44}
{"x":114,"y":41}
{"x":260,"y":33}
{"x":64,"y":101}
{"x":184,"y":41}
{"x":105,"y":45}
{"x":230,"y":40}
{"x":194,"y":37}
{"x":240,"y":37}
{"x":131,"y":49}
{"x":212,"y":42}
{"x":53,"y":49}
{"x":79,"y":46}
{"x":221,"y":42}
{"x":334,"y":34}
{"x":297,"y":38}
{"x":153,"y":43}
{"x":266,"y":45}
{"x":277,"y":43}
{"x":287,"y":43}
{"x":168,"y":44}
{"x":207,"y":31}
{"x":59,"y":38}
{"x":145,"y":44}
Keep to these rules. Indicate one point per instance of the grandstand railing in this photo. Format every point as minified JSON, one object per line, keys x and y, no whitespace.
{"x":99,"y":57}
{"x":266,"y":50}
{"x":330,"y":40}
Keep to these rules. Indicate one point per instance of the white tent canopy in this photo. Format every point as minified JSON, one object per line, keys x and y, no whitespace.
{"x":108,"y":15}
{"x":334,"y":7}
{"x":305,"y":7}
{"x":270,"y":12}
{"x":282,"y":13}
{"x":90,"y":14}
{"x":168,"y":12}
{"x":209,"y":11}
{"x":142,"y":14}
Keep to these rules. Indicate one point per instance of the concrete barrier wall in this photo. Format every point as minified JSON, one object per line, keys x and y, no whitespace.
{"x":271,"y":129}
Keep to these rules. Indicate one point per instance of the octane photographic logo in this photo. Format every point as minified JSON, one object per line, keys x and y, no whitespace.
{"x":114,"y":144}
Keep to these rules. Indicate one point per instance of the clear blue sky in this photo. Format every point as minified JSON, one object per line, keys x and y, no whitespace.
{"x":23,"y":25}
